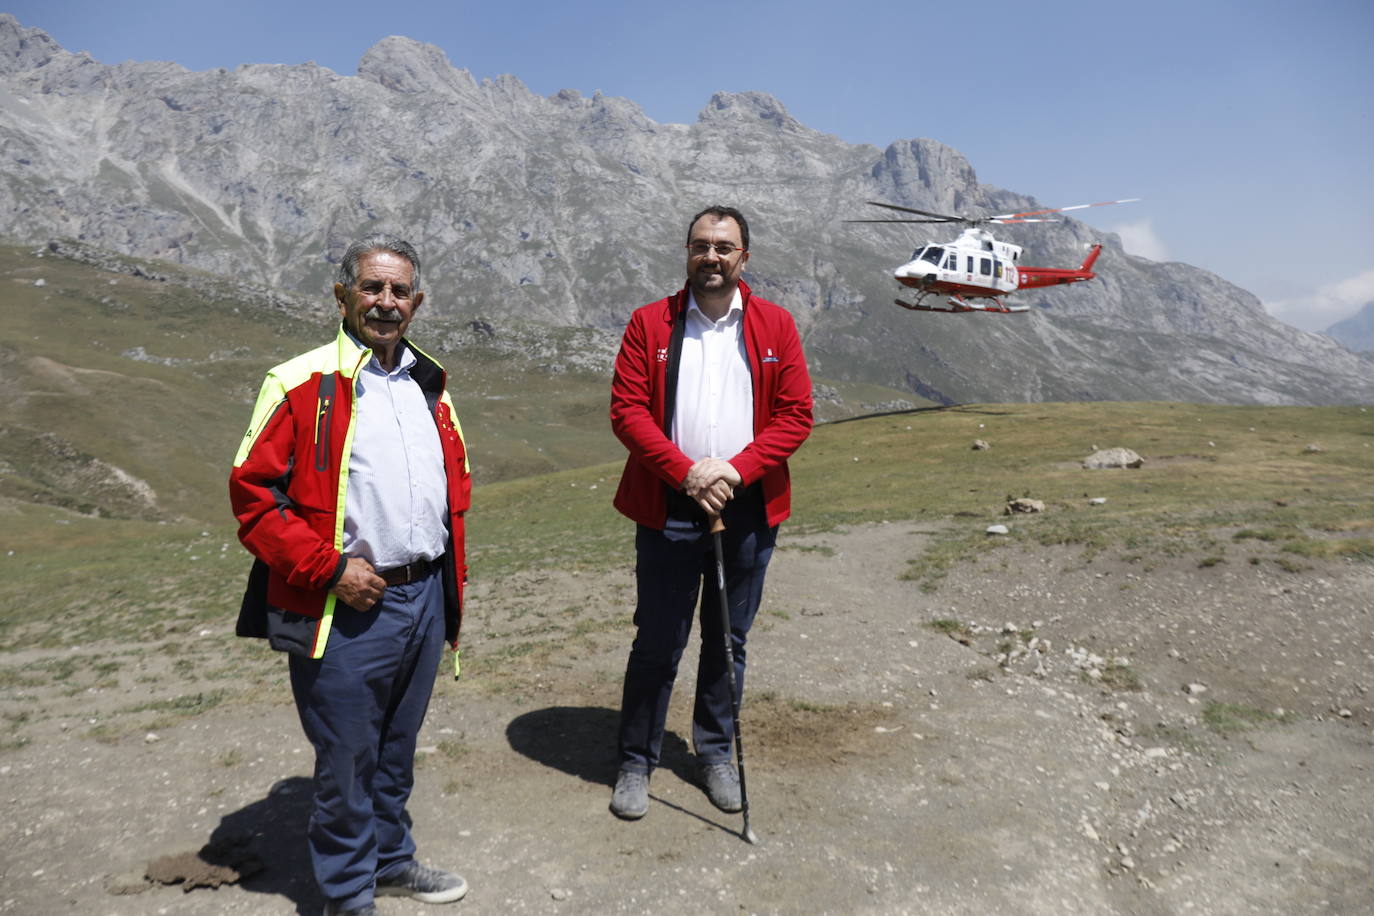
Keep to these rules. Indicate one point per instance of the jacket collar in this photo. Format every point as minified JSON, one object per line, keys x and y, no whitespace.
{"x":352,"y":356}
{"x":679,"y":300}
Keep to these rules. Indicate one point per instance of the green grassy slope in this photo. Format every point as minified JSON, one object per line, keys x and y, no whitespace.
{"x":154,"y":375}
{"x":158,"y":379}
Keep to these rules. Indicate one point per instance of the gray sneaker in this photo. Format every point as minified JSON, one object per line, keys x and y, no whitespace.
{"x":630,"y":800}
{"x":721,"y":782}
{"x":424,"y":883}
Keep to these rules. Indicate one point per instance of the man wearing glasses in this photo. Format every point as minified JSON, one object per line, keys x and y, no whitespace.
{"x":711,"y":396}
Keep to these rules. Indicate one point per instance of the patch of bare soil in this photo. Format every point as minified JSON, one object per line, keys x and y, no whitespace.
{"x":1097,"y":737}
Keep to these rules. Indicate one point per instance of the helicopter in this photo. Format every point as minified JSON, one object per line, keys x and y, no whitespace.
{"x":975,"y":271}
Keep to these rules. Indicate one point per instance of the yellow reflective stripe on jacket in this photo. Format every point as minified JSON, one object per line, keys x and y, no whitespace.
{"x":361,"y":357}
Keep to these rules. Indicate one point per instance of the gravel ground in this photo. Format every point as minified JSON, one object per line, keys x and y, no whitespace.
{"x":1092,"y":737}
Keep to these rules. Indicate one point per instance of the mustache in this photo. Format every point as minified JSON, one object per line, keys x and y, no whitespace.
{"x":380,"y":314}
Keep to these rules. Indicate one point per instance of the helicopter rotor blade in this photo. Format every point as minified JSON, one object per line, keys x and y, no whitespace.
{"x":939,"y":217}
{"x":898,"y":221}
{"x":980,"y":220}
{"x":1010,"y":217}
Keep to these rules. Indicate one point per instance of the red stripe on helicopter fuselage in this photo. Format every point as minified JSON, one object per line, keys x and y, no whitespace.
{"x":1032,"y":277}
{"x":947,"y":286}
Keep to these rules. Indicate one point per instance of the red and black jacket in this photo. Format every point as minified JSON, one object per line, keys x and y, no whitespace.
{"x":289,"y":487}
{"x":643,"y":392}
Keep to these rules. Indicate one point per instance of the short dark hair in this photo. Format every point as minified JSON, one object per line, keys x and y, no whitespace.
{"x":378,"y":241}
{"x":720,"y":213}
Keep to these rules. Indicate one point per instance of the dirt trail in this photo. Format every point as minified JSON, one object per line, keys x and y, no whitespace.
{"x":893,"y":768}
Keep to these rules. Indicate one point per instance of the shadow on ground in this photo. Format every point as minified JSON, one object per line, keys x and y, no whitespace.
{"x":581,"y":741}
{"x":273,"y":828}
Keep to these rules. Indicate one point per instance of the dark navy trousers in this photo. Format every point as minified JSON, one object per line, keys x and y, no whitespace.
{"x":361,"y":706}
{"x":674,"y":567}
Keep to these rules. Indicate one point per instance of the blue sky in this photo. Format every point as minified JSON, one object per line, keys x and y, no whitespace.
{"x":1248,"y":127}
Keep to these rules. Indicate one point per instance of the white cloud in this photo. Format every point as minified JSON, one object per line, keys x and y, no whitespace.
{"x":1139,"y":239}
{"x":1327,"y":304}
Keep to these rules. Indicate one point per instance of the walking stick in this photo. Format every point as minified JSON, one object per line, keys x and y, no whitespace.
{"x":717,"y":526}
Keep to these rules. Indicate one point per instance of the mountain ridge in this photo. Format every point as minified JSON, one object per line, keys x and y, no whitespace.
{"x":566,"y":209}
{"x":1357,"y":331}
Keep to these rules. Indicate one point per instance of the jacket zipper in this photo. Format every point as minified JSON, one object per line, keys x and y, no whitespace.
{"x":324,"y":412}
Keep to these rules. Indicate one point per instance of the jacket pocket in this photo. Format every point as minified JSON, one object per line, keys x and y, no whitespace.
{"x":324,"y":416}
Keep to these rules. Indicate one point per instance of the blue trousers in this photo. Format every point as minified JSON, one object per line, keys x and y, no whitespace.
{"x":670,"y":568}
{"x":361,"y":706}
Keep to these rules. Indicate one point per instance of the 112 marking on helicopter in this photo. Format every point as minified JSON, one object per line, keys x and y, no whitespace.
{"x":976,"y":268}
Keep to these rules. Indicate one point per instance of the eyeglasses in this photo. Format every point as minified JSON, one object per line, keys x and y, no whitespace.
{"x":374,"y":289}
{"x":701,"y":249}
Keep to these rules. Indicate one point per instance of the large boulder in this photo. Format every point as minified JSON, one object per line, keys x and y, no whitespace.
{"x":1112,"y":458}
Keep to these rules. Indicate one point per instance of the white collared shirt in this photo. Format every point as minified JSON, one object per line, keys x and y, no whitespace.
{"x":397,"y":493}
{"x":713,"y":416}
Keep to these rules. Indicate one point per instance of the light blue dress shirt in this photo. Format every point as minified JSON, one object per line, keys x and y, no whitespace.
{"x":397,"y":493}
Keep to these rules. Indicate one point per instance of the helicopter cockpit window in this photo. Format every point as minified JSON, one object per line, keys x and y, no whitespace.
{"x":933,"y":253}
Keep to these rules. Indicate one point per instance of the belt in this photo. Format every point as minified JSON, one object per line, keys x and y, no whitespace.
{"x":401,"y":575}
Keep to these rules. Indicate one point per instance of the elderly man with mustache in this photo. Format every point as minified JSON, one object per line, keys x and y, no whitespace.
{"x":350,"y":489}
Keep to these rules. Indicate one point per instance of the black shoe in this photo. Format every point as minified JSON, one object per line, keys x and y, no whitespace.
{"x":425,"y":884}
{"x":630,"y":800}
{"x":367,"y":909}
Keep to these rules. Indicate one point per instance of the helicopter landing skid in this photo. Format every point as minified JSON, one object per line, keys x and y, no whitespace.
{"x":957,"y":304}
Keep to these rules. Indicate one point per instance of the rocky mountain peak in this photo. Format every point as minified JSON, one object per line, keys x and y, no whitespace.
{"x":24,"y":49}
{"x":925,"y":169}
{"x":405,"y":65}
{"x":732,"y":109}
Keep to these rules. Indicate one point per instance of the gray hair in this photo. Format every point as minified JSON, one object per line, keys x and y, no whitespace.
{"x":378,"y":241}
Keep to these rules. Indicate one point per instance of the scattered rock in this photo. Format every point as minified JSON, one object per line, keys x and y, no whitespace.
{"x":1015,"y":506}
{"x":1112,"y":458}
{"x":1312,"y":448}
{"x":998,"y":529}
{"x":126,"y":885}
{"x":1194,"y":689}
{"x":979,"y":445}
{"x":1097,"y":500}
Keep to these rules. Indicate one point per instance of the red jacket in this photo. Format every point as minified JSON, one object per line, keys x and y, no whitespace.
{"x":646,"y":373}
{"x":289,"y":489}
